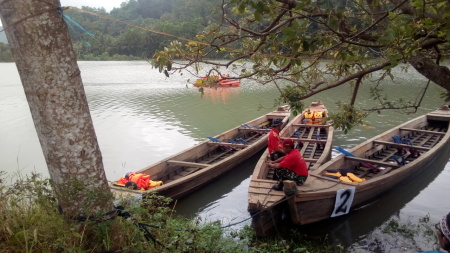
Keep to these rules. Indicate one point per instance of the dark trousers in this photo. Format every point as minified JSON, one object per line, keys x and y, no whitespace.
{"x":285,"y":174}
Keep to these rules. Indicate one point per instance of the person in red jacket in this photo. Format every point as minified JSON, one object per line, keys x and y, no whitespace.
{"x":289,"y":167}
{"x":274,"y":143}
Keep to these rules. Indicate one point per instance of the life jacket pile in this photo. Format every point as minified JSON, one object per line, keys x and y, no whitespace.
{"x":313,"y":117}
{"x":348,"y":177}
{"x":142,"y":181}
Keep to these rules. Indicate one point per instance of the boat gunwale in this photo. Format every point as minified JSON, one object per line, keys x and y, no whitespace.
{"x":397,"y":170}
{"x":282,"y":112}
{"x":368,"y":191}
{"x":259,"y":174}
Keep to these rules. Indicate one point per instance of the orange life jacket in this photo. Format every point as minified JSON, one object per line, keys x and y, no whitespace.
{"x":122,"y":181}
{"x":309,"y":115}
{"x":142,"y":180}
{"x":318,"y":115}
{"x":154,"y":184}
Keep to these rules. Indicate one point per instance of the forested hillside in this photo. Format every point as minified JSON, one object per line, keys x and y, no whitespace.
{"x":115,"y":40}
{"x":180,"y":18}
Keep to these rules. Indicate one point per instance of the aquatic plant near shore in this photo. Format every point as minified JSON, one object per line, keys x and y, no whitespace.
{"x":397,"y":235}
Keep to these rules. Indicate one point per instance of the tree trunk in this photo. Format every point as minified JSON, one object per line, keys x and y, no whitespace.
{"x":47,"y":65}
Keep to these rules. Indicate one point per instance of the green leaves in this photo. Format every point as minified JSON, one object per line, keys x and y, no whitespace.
{"x":314,"y":46}
{"x":241,"y":8}
{"x":302,"y":4}
{"x":346,"y":117}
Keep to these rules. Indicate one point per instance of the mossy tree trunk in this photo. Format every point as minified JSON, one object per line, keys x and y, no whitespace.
{"x":51,"y":79}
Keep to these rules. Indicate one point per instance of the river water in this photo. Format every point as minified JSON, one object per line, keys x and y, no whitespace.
{"x":141,"y":117}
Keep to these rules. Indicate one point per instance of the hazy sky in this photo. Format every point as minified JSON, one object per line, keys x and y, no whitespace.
{"x":107,"y":4}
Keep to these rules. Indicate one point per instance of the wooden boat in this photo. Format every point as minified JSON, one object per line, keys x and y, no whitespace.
{"x":194,"y":167}
{"x":228,"y":83}
{"x":381,"y":164}
{"x":216,"y":81}
{"x":265,"y":204}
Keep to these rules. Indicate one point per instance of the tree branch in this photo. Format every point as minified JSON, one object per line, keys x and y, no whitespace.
{"x":348,"y":78}
{"x":440,"y":75}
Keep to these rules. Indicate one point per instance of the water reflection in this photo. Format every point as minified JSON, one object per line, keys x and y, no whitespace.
{"x":346,"y":230}
{"x":221,"y":95}
{"x":225,"y":199}
{"x":141,"y":117}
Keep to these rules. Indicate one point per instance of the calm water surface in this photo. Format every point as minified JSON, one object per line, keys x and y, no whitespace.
{"x":141,"y":117}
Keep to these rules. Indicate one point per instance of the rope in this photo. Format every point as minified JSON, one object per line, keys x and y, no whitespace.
{"x":96,"y":218}
{"x":119,"y":211}
{"x":67,"y":18}
{"x":230,"y":225}
{"x":25,"y":18}
{"x":269,"y":209}
{"x":171,"y":35}
{"x":137,"y":26}
{"x":143,"y":227}
{"x":132,"y":25}
{"x":69,"y":21}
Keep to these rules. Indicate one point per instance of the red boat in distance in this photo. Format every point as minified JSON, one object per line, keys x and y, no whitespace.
{"x":217,"y":81}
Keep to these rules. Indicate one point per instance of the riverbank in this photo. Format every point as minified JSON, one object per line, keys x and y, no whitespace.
{"x":31,"y":223}
{"x":6,"y":56}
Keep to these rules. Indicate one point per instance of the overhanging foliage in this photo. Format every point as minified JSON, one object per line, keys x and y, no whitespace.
{"x":318,"y":45}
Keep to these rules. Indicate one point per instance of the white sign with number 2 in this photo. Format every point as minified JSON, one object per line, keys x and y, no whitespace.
{"x":344,"y":199}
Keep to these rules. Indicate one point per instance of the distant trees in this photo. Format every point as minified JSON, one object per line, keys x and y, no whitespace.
{"x":154,"y":8}
{"x":316,"y":45}
{"x":180,"y":18}
{"x":113,"y":40}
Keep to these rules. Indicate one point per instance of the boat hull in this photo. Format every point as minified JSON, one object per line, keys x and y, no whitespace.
{"x":218,"y":82}
{"x":193,"y":168}
{"x":320,"y":198}
{"x":268,"y":206}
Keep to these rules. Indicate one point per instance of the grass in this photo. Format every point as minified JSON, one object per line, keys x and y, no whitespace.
{"x":31,"y":223}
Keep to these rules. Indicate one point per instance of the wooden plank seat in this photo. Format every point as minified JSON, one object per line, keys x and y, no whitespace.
{"x":364,"y":160}
{"x":422,"y":131}
{"x":385,"y":171}
{"x":307,"y":140}
{"x":226,"y":144}
{"x":188,"y":164}
{"x":427,"y":140}
{"x":251,"y":138}
{"x":220,"y":156}
{"x":388,"y":143}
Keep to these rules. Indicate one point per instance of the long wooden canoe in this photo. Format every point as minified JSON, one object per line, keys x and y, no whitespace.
{"x":382,"y":162}
{"x":197,"y":166}
{"x":265,"y":204}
